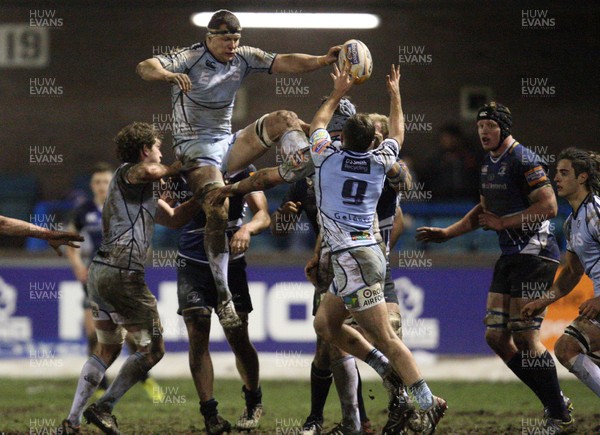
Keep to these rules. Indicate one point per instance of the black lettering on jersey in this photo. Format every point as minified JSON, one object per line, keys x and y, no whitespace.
{"x":356,"y":165}
{"x":210,"y":64}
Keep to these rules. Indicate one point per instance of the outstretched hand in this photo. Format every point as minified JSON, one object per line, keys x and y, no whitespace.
{"x":56,"y":239}
{"x":432,"y":234}
{"x":393,"y":80}
{"x":342,"y":80}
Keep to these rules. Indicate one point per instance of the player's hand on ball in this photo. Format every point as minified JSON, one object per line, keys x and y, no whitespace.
{"x":432,"y":234}
{"x":332,"y":55}
{"x":181,"y":80}
{"x":342,"y":80}
{"x":590,"y":309}
{"x":393,"y":80}
{"x":533,"y":309}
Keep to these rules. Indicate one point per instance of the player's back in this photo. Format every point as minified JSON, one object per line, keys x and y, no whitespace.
{"x":348,"y":185}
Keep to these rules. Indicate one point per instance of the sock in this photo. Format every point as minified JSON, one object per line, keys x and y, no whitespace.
{"x":209,"y":408}
{"x":378,"y":362}
{"x":219,"y":266}
{"x":320,"y":382}
{"x":422,"y":394}
{"x":587,"y":372}
{"x":133,"y":369}
{"x":517,"y":366}
{"x":346,"y":383}
{"x":252,"y":398}
{"x":91,"y":374}
{"x":547,"y":384}
{"x":103,"y":384}
{"x":361,"y":403}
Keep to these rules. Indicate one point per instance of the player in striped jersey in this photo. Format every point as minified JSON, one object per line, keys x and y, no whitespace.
{"x":578,"y":181}
{"x":205,"y":79}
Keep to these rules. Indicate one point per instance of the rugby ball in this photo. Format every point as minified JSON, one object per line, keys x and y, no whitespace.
{"x":356,"y":54}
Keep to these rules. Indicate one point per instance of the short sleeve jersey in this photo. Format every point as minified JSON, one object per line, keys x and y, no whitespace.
{"x":582,"y":231}
{"x":348,"y":185}
{"x":127,"y":222}
{"x":87,"y":220}
{"x":205,"y":112}
{"x":506,"y":183}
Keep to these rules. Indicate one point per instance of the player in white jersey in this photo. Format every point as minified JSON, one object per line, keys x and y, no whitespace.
{"x":578,"y":181}
{"x":205,"y":79}
{"x":348,"y":184}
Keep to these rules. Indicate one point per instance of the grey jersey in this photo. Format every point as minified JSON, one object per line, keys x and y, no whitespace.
{"x":205,"y":112}
{"x":127,"y":222}
{"x":582,"y":231}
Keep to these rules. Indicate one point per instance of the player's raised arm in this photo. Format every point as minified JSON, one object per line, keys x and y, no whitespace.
{"x":152,"y":70}
{"x":300,"y":63}
{"x":240,"y":241}
{"x":342,"y":82}
{"x":396,"y":118}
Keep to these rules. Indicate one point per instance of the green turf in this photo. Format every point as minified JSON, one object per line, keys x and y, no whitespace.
{"x":36,"y":406}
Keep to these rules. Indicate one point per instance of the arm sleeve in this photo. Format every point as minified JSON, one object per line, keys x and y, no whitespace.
{"x":535,"y":172}
{"x":178,"y":61}
{"x":387,"y":153}
{"x":257,"y":60}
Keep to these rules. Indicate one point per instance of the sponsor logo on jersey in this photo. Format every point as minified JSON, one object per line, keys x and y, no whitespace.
{"x":536,"y":176}
{"x":360,"y":166}
{"x":320,"y":139}
{"x":360,"y":235}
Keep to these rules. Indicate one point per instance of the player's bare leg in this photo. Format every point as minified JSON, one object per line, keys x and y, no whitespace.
{"x":569,"y":349}
{"x":246,"y":360}
{"x":197,"y":322}
{"x":374,"y":321}
{"x":202,"y":181}
{"x":282,"y":126}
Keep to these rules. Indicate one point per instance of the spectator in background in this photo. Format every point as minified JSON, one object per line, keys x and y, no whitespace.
{"x":452,"y":174}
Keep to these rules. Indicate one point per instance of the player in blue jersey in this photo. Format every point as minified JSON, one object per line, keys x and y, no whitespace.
{"x":578,"y":181}
{"x":121,"y":301}
{"x":517,"y":202}
{"x":198,"y":297}
{"x":205,"y":79}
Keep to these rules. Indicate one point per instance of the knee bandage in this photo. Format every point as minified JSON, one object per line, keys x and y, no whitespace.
{"x":261,"y":132}
{"x":519,"y":325}
{"x":142,"y":338}
{"x":115,"y":336}
{"x":496,"y":318}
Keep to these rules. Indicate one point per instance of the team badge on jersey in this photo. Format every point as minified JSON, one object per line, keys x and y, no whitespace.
{"x":536,"y":176}
{"x":320,"y":140}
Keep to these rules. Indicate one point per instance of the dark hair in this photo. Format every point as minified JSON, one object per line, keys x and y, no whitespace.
{"x":358,"y":132}
{"x":132,"y":139}
{"x":226,"y":17}
{"x":584,"y":161}
{"x":102,"y":167}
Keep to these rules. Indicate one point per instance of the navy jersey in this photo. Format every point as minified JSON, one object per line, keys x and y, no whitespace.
{"x":304,"y":191}
{"x":582,"y":231}
{"x":191,"y":239}
{"x":87,"y":220}
{"x":386,"y":211}
{"x":506,"y":183}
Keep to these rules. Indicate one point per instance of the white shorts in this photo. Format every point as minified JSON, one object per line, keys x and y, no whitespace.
{"x":196,"y":153}
{"x":359,"y":275}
